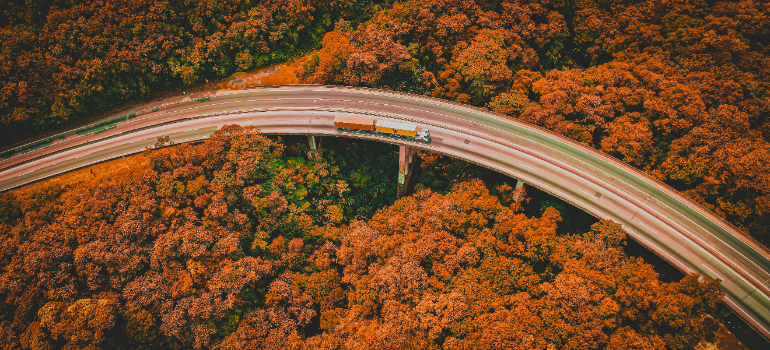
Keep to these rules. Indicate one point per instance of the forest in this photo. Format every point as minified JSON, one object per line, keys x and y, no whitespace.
{"x":679,"y":89}
{"x":240,"y":242}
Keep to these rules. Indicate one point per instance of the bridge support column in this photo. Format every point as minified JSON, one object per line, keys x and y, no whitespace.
{"x":519,"y":185}
{"x":405,"y":157}
{"x":315,"y":150}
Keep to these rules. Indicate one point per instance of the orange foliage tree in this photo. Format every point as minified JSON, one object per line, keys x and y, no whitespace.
{"x":233,"y":244}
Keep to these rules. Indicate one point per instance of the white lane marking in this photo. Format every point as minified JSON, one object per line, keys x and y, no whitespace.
{"x":725,"y":258}
{"x":687,"y":269}
{"x":747,"y":315}
{"x":647,"y":227}
{"x":529,"y":180}
{"x":733,"y":248}
{"x":739,"y":276}
{"x":527,"y":166}
{"x":744,"y":271}
{"x":29,"y":172}
{"x":712,"y":272}
{"x":712,"y":234}
{"x":584,"y":191}
{"x":721,"y":261}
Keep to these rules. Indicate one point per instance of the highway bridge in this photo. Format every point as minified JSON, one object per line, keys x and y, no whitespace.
{"x":675,"y":227}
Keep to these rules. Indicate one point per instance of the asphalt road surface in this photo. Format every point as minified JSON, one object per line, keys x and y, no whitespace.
{"x":676,"y":228}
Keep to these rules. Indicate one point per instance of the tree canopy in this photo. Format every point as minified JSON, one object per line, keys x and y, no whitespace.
{"x":235,"y":243}
{"x":63,"y":60}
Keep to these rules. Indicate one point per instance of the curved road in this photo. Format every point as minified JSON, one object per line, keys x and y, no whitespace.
{"x":676,"y":228}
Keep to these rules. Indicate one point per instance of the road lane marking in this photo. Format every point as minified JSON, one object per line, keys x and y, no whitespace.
{"x":747,"y":315}
{"x":528,"y":167}
{"x":687,"y":269}
{"x":588,"y":193}
{"x":712,"y":234}
{"x":645,"y":226}
{"x":712,"y":272}
{"x":721,"y":261}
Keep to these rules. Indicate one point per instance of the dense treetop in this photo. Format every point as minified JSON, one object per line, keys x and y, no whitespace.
{"x":61,"y":59}
{"x":237,"y":243}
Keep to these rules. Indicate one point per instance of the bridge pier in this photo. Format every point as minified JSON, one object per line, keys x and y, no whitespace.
{"x":517,"y":193}
{"x":315,"y":151}
{"x":405,"y":158}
